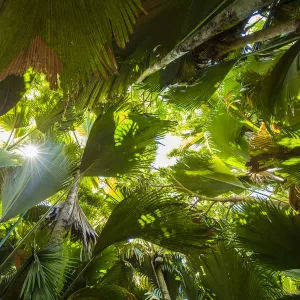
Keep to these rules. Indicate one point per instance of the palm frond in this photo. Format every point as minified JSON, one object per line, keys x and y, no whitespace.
{"x":290,"y":297}
{"x":46,"y":274}
{"x":192,"y":96}
{"x":190,"y":284}
{"x":11,"y":90}
{"x":35,"y":213}
{"x":226,"y":134}
{"x":270,"y":232}
{"x":55,"y":36}
{"x":281,"y":86}
{"x":120,"y":274}
{"x":173,"y":282}
{"x":103,"y":292}
{"x":280,"y":150}
{"x":205,"y":174}
{"x":6,"y":159}
{"x":158,"y":218}
{"x":121,"y":142}
{"x":100,"y":265}
{"x":42,"y":176}
{"x":225,"y":274}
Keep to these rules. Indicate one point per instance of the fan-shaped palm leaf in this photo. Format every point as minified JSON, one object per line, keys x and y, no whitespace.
{"x":205,"y":174}
{"x":158,"y":218}
{"x":270,"y":232}
{"x":46,"y":274}
{"x":41,"y":177}
{"x":120,"y":274}
{"x":11,"y":90}
{"x":227,"y":275}
{"x":41,"y":276}
{"x":121,"y":142}
{"x":281,"y":86}
{"x":192,"y":96}
{"x":6,"y":159}
{"x":100,"y":265}
{"x":69,"y":28}
{"x":103,"y":292}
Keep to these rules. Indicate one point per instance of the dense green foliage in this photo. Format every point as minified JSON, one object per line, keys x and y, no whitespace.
{"x":87,"y":210}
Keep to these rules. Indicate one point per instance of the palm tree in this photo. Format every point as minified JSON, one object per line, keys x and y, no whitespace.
{"x":85,"y":214}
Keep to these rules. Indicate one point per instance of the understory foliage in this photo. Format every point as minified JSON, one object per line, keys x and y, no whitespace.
{"x":92,"y":208}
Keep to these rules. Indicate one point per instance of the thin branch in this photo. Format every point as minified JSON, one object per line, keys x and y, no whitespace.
{"x":9,"y":138}
{"x":228,"y":211}
{"x":12,"y":229}
{"x":260,"y":36}
{"x":21,"y":139}
{"x":229,"y":17}
{"x":209,"y":208}
{"x":76,"y":138}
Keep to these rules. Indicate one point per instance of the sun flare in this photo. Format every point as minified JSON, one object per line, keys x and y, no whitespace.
{"x":30,"y":151}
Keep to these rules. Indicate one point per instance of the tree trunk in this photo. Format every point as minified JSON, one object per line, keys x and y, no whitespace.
{"x":260,"y":36}
{"x":229,"y":17}
{"x":60,"y":228}
{"x":162,"y":283}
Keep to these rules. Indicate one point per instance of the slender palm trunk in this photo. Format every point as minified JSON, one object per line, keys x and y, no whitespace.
{"x":60,"y":228}
{"x":234,"y":13}
{"x":162,"y":283}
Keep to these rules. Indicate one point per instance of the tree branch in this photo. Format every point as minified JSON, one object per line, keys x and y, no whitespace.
{"x":260,"y":36}
{"x":232,"y":15}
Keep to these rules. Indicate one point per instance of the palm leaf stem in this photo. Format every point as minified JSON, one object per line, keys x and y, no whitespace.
{"x":9,"y":138}
{"x":21,"y":139}
{"x":12,"y":229}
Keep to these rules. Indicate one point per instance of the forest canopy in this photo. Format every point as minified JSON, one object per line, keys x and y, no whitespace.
{"x":92,"y":95}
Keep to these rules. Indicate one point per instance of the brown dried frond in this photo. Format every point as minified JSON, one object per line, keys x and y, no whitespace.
{"x":40,"y":57}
